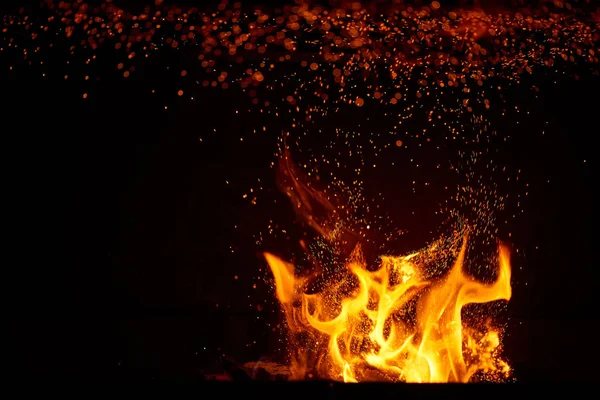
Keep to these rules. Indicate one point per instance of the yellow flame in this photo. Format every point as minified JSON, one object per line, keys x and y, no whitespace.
{"x":371,"y":337}
{"x":394,"y":323}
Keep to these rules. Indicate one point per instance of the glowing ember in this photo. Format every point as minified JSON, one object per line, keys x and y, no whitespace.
{"x":398,"y":322}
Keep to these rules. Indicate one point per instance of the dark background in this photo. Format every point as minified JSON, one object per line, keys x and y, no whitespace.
{"x":120,"y":225}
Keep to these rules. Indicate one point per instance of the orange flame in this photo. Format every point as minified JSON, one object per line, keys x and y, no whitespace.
{"x":396,"y":323}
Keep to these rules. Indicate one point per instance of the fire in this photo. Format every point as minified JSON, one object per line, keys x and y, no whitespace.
{"x":397,"y":322}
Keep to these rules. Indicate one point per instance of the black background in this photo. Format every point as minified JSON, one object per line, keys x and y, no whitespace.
{"x":120,"y":225}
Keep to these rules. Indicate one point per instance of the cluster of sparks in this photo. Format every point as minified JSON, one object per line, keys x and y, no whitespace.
{"x":390,"y":54}
{"x":305,"y":63}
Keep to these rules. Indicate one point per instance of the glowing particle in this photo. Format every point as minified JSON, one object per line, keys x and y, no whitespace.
{"x":258,"y":76}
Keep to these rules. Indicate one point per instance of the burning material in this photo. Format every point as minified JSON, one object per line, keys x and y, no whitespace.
{"x":401,"y":321}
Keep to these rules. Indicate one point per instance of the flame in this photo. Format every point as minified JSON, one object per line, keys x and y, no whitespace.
{"x":396,"y":323}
